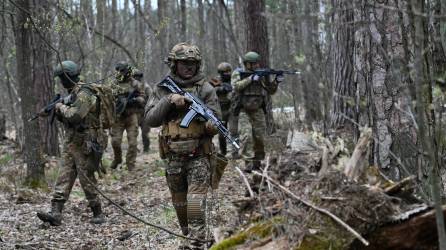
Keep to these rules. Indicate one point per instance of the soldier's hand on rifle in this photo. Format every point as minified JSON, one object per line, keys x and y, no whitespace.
{"x":255,"y":77}
{"x":179,"y":100}
{"x":210,"y":128}
{"x":279,"y":78}
{"x":58,"y":106}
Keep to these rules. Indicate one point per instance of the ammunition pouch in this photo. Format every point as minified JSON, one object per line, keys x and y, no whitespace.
{"x":183,"y":147}
{"x":191,"y":141}
{"x":218,"y":165}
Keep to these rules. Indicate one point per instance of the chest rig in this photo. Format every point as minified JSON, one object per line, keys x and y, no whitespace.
{"x":184,"y":142}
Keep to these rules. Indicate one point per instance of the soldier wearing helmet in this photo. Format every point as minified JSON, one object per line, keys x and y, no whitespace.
{"x":130,"y":99}
{"x":223,"y":89}
{"x":251,"y":93}
{"x":145,"y":130}
{"x":185,"y":151}
{"x":83,"y":142}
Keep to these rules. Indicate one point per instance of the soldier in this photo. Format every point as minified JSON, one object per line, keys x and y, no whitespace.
{"x":223,"y":88}
{"x":130,"y":98}
{"x":251,"y":92}
{"x":145,"y":130}
{"x":83,"y":143}
{"x":185,"y":150}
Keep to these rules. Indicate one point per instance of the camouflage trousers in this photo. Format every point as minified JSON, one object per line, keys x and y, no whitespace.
{"x":250,"y":128}
{"x":130,"y":124}
{"x":188,"y":180}
{"x":225,"y":117}
{"x":145,"y":130}
{"x":77,"y":163}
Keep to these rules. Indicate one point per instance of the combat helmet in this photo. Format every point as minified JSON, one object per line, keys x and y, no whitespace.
{"x":67,"y":67}
{"x":123,"y":70}
{"x":224,"y":67}
{"x":184,"y":51}
{"x":251,"y":57}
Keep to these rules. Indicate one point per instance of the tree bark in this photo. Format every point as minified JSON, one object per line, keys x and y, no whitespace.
{"x":42,"y":74}
{"x":32,"y":151}
{"x":183,"y":20}
{"x":344,"y":88}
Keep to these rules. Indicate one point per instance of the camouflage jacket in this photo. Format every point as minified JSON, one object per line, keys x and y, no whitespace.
{"x":81,"y":117}
{"x":159,"y":110}
{"x":121,"y":90}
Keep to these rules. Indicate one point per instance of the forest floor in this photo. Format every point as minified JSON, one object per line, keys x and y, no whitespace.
{"x":143,"y":192}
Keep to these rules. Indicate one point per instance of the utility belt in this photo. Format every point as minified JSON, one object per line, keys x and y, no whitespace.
{"x":184,"y":148}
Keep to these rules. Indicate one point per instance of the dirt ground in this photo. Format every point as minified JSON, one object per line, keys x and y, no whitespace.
{"x":143,"y":192}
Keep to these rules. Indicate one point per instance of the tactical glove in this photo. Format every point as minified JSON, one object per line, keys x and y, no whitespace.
{"x":179,"y":100}
{"x":58,"y":106}
{"x":255,"y":77}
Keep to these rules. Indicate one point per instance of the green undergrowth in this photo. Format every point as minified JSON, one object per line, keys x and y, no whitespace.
{"x":258,"y":230}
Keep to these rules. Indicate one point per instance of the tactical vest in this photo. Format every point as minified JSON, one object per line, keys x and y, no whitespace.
{"x":92,"y":120}
{"x":190,"y":141}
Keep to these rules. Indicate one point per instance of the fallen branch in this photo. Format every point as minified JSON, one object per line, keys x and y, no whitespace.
{"x":309,"y":204}
{"x":245,"y":180}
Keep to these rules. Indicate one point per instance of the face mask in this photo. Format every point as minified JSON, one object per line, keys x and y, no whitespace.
{"x":68,"y":82}
{"x":225,"y":77}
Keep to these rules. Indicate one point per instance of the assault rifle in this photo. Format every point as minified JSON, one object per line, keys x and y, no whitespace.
{"x":197,"y":107}
{"x":267,"y":72}
{"x":50,"y":107}
{"x":125,"y":101}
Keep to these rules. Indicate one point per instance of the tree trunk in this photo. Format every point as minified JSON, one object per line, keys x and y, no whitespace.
{"x":425,"y":116}
{"x":43,"y":75}
{"x":310,"y":76}
{"x":344,"y":88}
{"x":162,"y":34}
{"x":183,"y":20}
{"x":32,"y":151}
{"x":257,"y":40}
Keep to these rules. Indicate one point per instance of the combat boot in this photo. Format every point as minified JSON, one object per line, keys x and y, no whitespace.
{"x":115,"y":163}
{"x":54,"y":217}
{"x":130,"y":166}
{"x":252,"y":165}
{"x":98,"y":216}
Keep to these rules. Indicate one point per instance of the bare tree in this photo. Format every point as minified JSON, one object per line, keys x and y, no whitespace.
{"x":257,"y":40}
{"x":344,"y":88}
{"x":32,"y":146}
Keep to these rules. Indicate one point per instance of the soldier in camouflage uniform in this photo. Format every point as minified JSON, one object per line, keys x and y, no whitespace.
{"x":223,"y":88}
{"x":185,"y":150}
{"x":130,"y":98}
{"x":80,"y":115}
{"x":145,"y":130}
{"x":251,"y":92}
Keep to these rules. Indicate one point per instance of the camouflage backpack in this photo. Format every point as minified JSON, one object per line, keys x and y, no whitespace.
{"x":107,"y":106}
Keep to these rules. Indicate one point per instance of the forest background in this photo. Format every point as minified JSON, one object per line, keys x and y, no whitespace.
{"x":363,"y":63}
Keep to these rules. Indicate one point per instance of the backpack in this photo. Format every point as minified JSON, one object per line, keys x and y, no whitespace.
{"x":107,"y":108}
